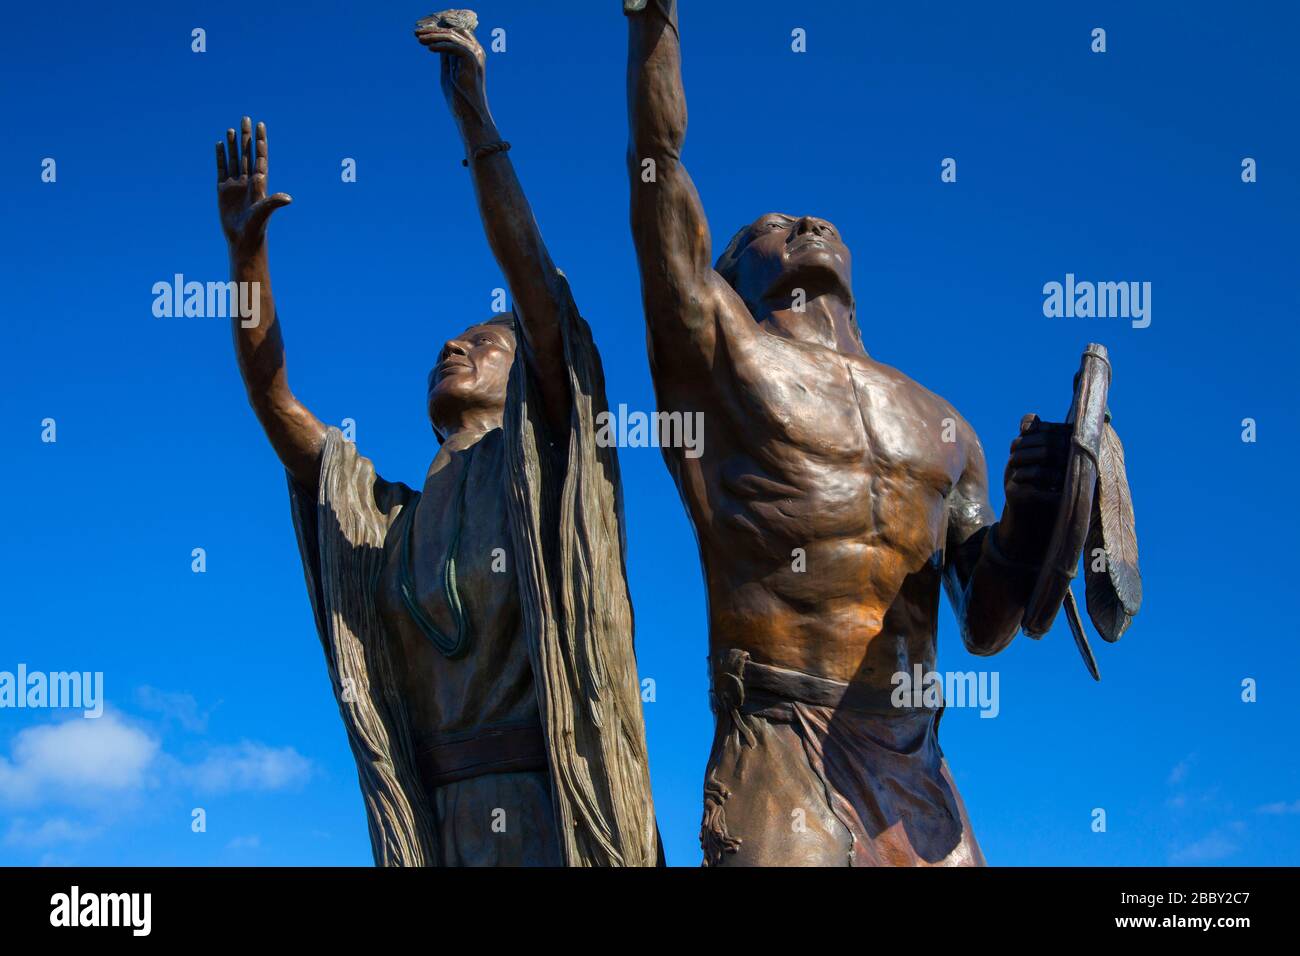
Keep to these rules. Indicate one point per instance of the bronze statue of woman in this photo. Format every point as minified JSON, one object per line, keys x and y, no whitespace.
{"x":478,"y":631}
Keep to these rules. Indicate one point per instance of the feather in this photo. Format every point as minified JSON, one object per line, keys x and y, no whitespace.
{"x":1113,"y":592}
{"x":1080,"y":635}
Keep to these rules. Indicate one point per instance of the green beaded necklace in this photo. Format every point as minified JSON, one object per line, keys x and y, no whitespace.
{"x":450,"y":647}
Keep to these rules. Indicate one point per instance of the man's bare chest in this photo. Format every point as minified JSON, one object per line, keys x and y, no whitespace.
{"x":814,"y":445}
{"x":819,"y":411}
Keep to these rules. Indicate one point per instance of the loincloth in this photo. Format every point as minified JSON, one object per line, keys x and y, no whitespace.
{"x":807,"y":771}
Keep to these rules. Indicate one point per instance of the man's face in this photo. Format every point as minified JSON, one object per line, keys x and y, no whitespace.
{"x":473,"y":370}
{"x":783,"y":253}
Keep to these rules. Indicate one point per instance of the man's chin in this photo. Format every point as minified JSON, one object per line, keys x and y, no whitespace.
{"x":811,"y":269}
{"x":813,"y":256}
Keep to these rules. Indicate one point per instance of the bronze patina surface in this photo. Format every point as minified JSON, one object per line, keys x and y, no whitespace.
{"x":835,"y":499}
{"x":480,"y":646}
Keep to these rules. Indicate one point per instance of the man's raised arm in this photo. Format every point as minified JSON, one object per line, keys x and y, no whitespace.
{"x":681,"y":292}
{"x":535,"y":284}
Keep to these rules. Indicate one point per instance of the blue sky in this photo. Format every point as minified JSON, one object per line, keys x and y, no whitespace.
{"x":1117,"y":166}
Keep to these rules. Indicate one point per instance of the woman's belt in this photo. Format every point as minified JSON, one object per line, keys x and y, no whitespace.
{"x":513,"y":748}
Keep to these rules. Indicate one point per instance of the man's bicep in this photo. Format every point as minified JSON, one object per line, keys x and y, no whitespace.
{"x":686,"y":301}
{"x":684,"y":328}
{"x":969,"y":512}
{"x":669,"y":226}
{"x":678,"y":284}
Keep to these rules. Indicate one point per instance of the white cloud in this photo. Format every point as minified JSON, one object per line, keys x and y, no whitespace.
{"x":174,"y":705}
{"x":1281,"y":807}
{"x":249,"y":766}
{"x":1216,"y":846}
{"x":99,"y":762}
{"x":82,"y":761}
{"x":55,"y":830}
{"x":251,"y":842}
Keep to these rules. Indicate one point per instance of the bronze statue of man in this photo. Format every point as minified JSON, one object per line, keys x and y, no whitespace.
{"x":478,"y":630}
{"x":834,"y":497}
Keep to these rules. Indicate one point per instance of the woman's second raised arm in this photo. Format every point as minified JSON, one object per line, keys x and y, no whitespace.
{"x":294,"y":432}
{"x":535,"y":284}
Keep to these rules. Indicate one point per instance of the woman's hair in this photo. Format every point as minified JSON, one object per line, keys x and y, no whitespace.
{"x":506,"y":319}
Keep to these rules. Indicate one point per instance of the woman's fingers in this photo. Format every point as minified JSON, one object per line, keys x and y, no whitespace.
{"x":441,"y":40}
{"x":246,"y":146}
{"x":232,"y":155}
{"x":446,"y":46}
{"x":261,"y":149}
{"x":430,"y":34}
{"x":244,"y":153}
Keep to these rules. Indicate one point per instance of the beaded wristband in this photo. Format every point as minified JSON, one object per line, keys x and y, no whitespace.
{"x":487,"y":149}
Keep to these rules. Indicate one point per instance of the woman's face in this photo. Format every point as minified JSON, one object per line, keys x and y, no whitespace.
{"x":472,"y":372}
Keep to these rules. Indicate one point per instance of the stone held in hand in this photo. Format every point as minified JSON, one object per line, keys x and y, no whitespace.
{"x":466,"y":20}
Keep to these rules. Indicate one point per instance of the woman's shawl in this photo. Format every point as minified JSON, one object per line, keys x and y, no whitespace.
{"x":569,"y":545}
{"x":568,"y":539}
{"x":341,"y":536}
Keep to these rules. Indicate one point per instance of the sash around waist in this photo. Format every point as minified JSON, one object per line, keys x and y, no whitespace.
{"x":504,"y":748}
{"x":736,"y":679}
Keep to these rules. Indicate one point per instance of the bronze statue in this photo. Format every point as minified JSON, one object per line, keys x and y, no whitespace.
{"x":478,"y":631}
{"x":834,"y":497}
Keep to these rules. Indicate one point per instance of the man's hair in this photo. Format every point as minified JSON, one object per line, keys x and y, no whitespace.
{"x":730,"y":258}
{"x":728,"y":262}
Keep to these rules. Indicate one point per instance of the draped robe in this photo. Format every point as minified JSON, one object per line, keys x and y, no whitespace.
{"x":569,"y":546}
